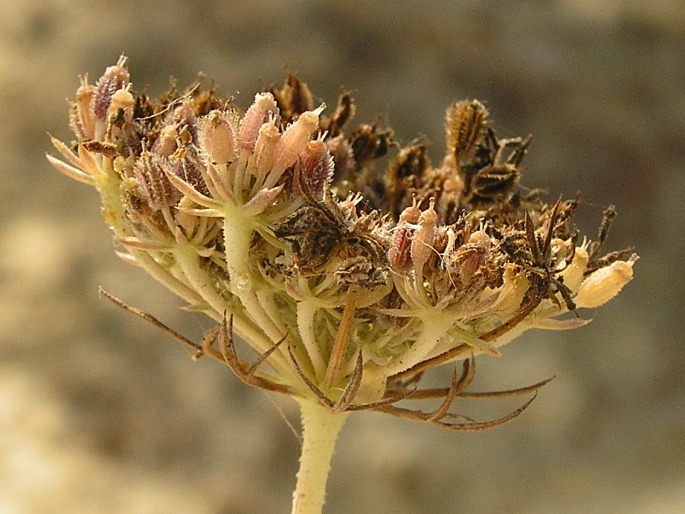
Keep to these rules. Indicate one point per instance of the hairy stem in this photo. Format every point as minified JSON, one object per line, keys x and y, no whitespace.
{"x":320,"y":429}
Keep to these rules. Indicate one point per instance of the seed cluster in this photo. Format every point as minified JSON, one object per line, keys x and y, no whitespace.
{"x":349,"y":278}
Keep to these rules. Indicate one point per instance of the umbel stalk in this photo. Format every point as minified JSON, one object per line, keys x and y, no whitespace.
{"x":320,"y":429}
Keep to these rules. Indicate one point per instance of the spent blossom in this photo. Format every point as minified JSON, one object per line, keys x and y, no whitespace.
{"x":348,"y":280}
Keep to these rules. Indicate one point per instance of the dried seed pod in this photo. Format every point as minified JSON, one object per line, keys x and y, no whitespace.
{"x":317,"y":167}
{"x":343,"y":112}
{"x":153,"y":185}
{"x":186,"y":164}
{"x":368,"y":143}
{"x":343,"y":160}
{"x":294,"y":98}
{"x":412,"y":161}
{"x":465,"y":124}
{"x":494,"y":181}
{"x":399,"y":254}
{"x":115,"y":78}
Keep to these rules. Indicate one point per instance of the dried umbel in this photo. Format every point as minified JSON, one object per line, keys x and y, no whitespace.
{"x":348,"y":282}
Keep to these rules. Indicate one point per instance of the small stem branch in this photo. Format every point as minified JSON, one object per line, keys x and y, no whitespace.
{"x":238,"y":230}
{"x":320,"y":429}
{"x":434,"y":327}
{"x":306,"y":311}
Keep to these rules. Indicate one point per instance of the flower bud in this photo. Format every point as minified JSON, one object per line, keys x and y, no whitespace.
{"x":471,"y":256}
{"x":399,"y":254}
{"x":217,"y":136}
{"x":603,"y":284}
{"x":262,"y":109}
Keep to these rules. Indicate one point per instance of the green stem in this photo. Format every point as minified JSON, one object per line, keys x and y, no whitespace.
{"x":320,"y":428}
{"x":238,"y":230}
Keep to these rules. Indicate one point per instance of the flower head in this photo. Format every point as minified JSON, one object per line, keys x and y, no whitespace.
{"x":348,"y":281}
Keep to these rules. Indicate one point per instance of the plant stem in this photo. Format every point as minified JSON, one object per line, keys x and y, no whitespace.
{"x":320,"y":429}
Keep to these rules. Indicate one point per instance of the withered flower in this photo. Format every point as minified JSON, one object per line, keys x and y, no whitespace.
{"x":348,"y":282}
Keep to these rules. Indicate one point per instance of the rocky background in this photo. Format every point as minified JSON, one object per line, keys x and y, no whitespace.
{"x":101,"y":413}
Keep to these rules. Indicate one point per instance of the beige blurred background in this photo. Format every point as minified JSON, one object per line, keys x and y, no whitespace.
{"x":100,"y":413}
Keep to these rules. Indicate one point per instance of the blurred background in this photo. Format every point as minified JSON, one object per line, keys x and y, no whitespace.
{"x":101,"y":413}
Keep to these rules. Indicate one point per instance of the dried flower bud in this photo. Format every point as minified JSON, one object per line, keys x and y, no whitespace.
{"x":218,"y":136}
{"x":262,"y":109}
{"x":115,"y":78}
{"x":603,"y":284}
